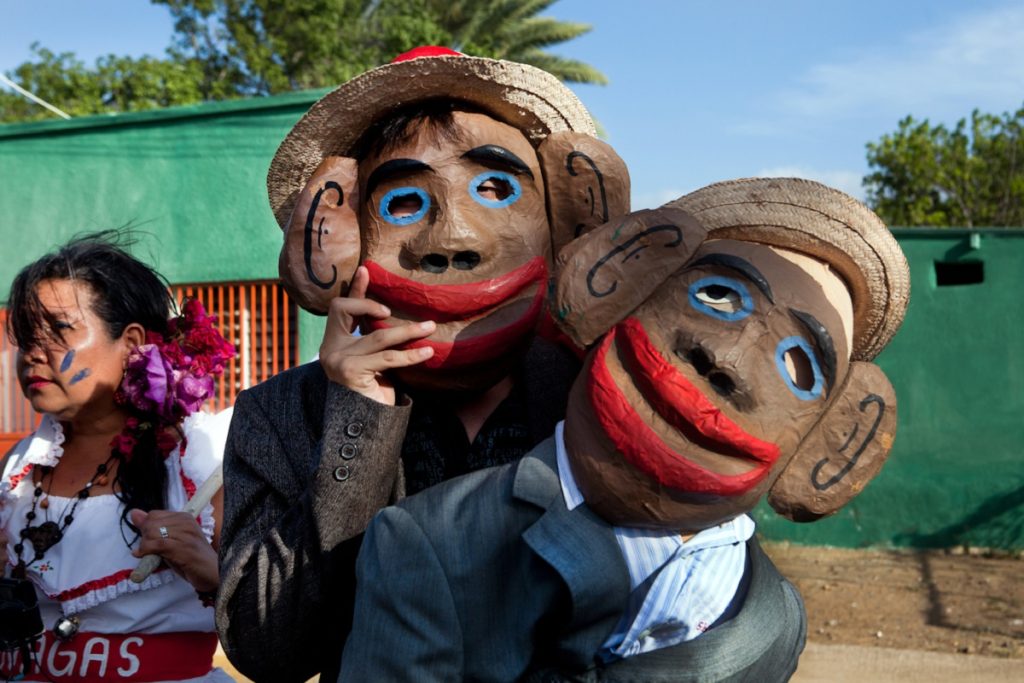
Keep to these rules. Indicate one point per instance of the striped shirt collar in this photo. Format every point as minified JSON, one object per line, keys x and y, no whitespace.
{"x":699,"y":577}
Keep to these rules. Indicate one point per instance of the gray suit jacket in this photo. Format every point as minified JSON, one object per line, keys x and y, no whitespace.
{"x":490,"y":578}
{"x":307,"y":465}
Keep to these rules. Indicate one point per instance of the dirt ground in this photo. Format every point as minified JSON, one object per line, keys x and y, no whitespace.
{"x":938,"y":601}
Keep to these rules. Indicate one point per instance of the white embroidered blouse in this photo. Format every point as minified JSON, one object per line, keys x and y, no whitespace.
{"x":87,"y":572}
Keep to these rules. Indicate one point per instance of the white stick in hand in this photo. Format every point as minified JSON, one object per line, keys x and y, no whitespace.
{"x":195,"y":504}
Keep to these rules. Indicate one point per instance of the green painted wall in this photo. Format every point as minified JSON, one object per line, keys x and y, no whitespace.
{"x":193,"y":178}
{"x":956,"y":473}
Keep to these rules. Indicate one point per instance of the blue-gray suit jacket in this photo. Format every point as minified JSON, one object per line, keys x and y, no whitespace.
{"x":489,"y":577}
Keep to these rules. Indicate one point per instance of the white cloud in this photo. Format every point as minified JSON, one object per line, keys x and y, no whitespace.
{"x":847,"y":181}
{"x":977,"y":59}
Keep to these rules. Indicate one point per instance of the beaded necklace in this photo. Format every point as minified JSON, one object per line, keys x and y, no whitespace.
{"x":46,"y":535}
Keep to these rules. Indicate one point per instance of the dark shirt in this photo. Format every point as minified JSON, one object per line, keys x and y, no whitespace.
{"x":436,"y":447}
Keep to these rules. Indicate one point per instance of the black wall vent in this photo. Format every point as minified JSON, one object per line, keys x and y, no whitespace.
{"x":959,"y":273}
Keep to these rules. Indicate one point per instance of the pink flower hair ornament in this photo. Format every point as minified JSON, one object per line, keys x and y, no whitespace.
{"x":169,"y":377}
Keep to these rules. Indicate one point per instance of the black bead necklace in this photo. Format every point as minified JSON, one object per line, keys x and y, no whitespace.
{"x":46,"y":535}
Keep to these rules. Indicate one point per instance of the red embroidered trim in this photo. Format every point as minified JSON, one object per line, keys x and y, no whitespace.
{"x":16,"y":478}
{"x":96,"y":584}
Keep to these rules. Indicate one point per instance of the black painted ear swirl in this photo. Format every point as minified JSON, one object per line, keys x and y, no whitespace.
{"x":604,"y":275}
{"x":630,"y":249}
{"x":587,"y":184}
{"x":844,"y":450}
{"x":307,"y":240}
{"x":599,"y":181}
{"x":321,"y":241}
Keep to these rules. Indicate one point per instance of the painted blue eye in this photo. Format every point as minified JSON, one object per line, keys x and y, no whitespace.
{"x":721,"y":297}
{"x":505,"y":186}
{"x":808,"y":382}
{"x":410,"y":203}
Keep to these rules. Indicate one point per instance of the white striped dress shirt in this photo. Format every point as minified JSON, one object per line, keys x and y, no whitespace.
{"x":696,"y":582}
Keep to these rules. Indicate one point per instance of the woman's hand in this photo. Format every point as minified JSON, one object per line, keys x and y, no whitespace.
{"x":177,"y":538}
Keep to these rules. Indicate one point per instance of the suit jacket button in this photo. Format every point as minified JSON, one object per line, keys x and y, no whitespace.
{"x":348,"y":451}
{"x":341,"y":473}
{"x":354,"y":429}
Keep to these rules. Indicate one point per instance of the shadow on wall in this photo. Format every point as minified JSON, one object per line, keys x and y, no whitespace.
{"x":989,"y":526}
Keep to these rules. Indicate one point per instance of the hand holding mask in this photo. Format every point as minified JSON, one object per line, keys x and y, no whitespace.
{"x":453,"y":205}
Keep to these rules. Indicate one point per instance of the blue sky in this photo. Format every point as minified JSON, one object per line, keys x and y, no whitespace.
{"x":703,"y":90}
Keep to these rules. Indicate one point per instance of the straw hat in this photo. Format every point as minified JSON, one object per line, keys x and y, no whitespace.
{"x":822,"y":222}
{"x":522,"y":96}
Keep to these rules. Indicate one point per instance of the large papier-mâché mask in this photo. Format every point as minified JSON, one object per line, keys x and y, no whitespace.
{"x":455,"y":229}
{"x":716,"y":383}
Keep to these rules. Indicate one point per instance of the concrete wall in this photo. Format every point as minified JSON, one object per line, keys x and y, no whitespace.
{"x":193,"y":178}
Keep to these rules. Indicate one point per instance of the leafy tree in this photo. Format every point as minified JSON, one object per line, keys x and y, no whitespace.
{"x":970,"y":175}
{"x":271,"y":46}
{"x":238,"y":48}
{"x":510,"y":29}
{"x":115,"y":84}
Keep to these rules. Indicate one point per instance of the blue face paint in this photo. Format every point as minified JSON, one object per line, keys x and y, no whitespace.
{"x":788,"y":344}
{"x":725,"y":288}
{"x":385,"y":205}
{"x":69,"y":358}
{"x":516,"y":191}
{"x":79,"y":376}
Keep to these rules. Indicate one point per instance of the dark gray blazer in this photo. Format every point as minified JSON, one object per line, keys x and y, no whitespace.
{"x":307,"y":465}
{"x":489,"y":577}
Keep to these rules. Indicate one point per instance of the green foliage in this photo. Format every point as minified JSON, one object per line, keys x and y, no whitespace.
{"x":971,"y":175}
{"x":272,"y":46}
{"x":238,"y":48}
{"x":115,"y":84}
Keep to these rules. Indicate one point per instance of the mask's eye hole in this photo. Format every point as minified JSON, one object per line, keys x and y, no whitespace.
{"x":495,"y":189}
{"x":404,"y":205}
{"x":798,"y":365}
{"x":721,"y":297}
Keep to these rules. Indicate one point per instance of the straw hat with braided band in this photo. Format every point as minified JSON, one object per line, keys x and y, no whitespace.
{"x":520,"y":95}
{"x":822,"y":222}
{"x":314,"y":179}
{"x":691,"y":372}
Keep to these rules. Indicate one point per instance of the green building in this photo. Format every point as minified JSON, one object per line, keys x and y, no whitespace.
{"x":191,"y":181}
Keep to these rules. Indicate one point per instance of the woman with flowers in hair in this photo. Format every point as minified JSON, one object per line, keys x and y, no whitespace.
{"x":121,"y":446}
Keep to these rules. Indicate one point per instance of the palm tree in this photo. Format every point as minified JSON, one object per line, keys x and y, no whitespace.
{"x":510,"y":29}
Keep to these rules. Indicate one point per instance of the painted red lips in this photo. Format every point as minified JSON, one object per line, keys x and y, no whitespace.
{"x":682,"y":405}
{"x":448,"y":303}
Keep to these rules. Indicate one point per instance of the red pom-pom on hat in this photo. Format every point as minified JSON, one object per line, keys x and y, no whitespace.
{"x":426,"y":51}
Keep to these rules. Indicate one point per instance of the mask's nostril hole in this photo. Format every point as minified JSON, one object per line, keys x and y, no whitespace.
{"x":465,"y":260}
{"x":722,"y":383}
{"x":698,"y":358}
{"x":434,"y":263}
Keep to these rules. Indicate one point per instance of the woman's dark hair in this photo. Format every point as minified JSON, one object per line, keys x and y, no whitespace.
{"x":125,"y":291}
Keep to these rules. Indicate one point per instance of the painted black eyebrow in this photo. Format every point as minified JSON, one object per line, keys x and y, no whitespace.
{"x":390,"y":169}
{"x":742,"y":266}
{"x":824,"y":341}
{"x":493,"y":155}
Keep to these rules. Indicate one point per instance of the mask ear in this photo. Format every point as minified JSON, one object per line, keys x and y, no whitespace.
{"x":587,"y":184}
{"x":604,"y":275}
{"x":321,"y":241}
{"x":844,"y":450}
